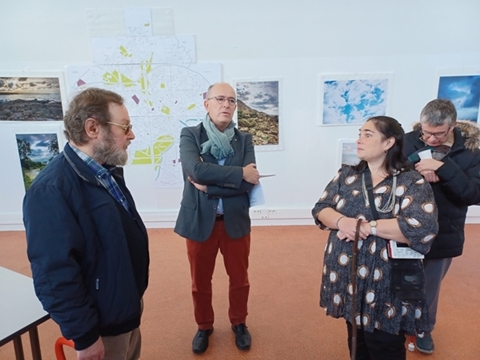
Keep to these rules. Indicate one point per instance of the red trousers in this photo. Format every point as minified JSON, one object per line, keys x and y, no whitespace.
{"x":202,"y":257}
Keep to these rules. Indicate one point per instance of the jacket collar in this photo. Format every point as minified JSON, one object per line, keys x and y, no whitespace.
{"x":467,"y":134}
{"x":79,"y":166}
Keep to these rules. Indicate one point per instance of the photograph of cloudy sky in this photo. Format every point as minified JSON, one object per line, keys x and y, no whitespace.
{"x":350,"y":102}
{"x":464,"y":92}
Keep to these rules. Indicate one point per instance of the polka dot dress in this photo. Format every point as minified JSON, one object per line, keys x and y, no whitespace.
{"x":377,"y":306}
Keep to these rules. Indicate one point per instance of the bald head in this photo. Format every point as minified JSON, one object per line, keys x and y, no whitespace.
{"x":219,"y":84}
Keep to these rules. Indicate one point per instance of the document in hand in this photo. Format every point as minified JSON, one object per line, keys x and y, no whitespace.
{"x":256,"y":194}
{"x":425,"y":154}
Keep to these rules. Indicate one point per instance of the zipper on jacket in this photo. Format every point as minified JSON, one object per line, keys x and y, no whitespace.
{"x":97,"y":283}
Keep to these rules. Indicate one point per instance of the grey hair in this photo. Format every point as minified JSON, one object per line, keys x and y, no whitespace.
{"x":439,"y":112}
{"x":90,"y":103}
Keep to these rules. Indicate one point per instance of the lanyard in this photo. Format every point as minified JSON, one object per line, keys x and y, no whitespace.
{"x":367,"y":177}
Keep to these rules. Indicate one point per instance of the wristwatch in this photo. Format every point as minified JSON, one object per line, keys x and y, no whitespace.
{"x":373,"y":226}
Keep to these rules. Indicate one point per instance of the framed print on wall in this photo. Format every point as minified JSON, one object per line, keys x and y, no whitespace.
{"x":36,"y":146}
{"x":462,"y":88}
{"x":32,"y":96}
{"x":258,"y":112}
{"x":347,"y":152}
{"x":350,"y":99}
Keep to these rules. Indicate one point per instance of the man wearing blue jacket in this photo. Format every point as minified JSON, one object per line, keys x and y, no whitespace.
{"x":86,"y":242}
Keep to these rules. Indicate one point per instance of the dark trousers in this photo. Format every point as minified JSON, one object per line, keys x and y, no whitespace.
{"x":378,"y":345}
{"x":201,"y":256}
{"x":435,"y":270}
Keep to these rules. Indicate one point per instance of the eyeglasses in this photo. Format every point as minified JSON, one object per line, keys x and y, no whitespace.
{"x":437,"y":135}
{"x":221,"y":100}
{"x":126,"y":128}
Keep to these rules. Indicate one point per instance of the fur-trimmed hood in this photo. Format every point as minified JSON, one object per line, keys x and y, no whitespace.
{"x":470,"y":132}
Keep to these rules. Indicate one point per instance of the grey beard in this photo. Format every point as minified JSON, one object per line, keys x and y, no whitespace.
{"x":107,"y":153}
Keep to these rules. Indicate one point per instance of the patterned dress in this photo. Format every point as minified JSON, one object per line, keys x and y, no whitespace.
{"x":377,"y":306}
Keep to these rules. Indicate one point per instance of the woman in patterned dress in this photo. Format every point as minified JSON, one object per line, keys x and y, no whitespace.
{"x":407,"y":214}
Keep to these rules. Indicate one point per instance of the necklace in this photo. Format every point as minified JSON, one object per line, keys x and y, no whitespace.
{"x":390,"y":203}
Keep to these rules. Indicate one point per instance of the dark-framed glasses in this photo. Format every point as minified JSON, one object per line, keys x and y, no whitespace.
{"x":221,"y":99}
{"x":437,"y":135}
{"x":126,"y":128}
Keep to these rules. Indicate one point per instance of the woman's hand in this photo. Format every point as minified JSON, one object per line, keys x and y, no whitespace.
{"x":347,"y":228}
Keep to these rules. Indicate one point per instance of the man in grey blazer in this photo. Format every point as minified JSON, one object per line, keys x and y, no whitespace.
{"x":219,"y":171}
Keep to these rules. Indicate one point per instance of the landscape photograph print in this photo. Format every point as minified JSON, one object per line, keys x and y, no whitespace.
{"x":258,"y":111}
{"x":30,"y":99}
{"x":35,"y":152}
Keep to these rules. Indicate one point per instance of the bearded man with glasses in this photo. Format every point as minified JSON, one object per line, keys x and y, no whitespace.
{"x":86,"y":242}
{"x":452,"y":167}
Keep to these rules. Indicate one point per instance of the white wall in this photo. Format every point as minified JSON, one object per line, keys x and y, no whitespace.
{"x":295,"y":41}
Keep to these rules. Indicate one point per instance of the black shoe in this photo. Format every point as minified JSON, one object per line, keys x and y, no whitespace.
{"x":200,"y":341}
{"x":243,"y":340}
{"x":425,"y":344}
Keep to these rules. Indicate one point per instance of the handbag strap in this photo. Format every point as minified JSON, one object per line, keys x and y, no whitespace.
{"x":367,"y":176}
{"x":354,"y":289}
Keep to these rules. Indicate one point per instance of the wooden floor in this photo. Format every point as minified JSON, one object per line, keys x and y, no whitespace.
{"x":284,"y":317}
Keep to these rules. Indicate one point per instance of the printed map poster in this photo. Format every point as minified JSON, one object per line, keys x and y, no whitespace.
{"x":352,"y":99}
{"x":35,"y":151}
{"x":30,"y":98}
{"x":136,"y":50}
{"x":161,"y":100}
{"x":258,"y":112}
{"x":464,"y":92}
{"x":163,"y":87}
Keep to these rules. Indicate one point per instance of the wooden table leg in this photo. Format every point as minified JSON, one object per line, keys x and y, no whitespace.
{"x":35,"y":344}
{"x":17,"y":344}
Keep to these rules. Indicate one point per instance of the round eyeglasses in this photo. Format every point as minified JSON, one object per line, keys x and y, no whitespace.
{"x":221,"y":100}
{"x":437,"y":135}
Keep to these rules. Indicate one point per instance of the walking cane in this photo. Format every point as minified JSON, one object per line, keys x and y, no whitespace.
{"x":354,"y":289}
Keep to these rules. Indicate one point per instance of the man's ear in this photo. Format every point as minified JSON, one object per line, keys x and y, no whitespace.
{"x":92,"y":128}
{"x":205,"y":104}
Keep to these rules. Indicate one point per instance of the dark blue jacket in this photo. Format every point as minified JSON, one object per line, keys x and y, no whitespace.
{"x":459,"y":186}
{"x":89,"y":256}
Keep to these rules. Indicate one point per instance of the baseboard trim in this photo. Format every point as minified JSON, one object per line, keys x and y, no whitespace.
{"x":259,"y":216}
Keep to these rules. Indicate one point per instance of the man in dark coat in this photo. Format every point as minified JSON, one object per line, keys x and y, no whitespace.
{"x":219,"y":171}
{"x":86,"y":242}
{"x":445,"y":151}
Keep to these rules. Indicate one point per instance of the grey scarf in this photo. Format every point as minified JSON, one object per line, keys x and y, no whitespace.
{"x":218,"y":143}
